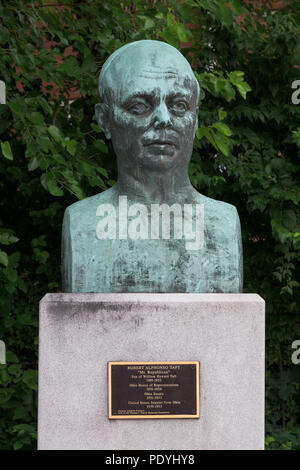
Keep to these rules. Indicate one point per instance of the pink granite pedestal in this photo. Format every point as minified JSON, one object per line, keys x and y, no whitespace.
{"x":80,"y":333}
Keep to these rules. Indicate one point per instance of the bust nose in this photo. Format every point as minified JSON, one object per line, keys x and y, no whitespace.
{"x":162,"y":116}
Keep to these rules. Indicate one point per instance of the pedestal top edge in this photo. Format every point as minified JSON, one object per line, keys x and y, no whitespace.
{"x":150,"y":297}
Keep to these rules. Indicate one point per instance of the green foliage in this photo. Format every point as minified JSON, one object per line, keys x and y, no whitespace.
{"x":246,"y":152}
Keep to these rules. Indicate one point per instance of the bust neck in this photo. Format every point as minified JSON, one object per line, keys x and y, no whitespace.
{"x":150,"y":186}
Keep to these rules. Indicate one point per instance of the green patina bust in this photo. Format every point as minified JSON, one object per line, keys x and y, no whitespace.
{"x":152,"y":231}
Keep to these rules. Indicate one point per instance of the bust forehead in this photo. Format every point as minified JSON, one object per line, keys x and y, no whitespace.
{"x":156,"y":87}
{"x":148,"y":61}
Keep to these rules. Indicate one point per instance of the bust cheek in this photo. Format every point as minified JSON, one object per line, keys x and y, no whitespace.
{"x":186,"y":123}
{"x":121,"y":119}
{"x":124,"y":121}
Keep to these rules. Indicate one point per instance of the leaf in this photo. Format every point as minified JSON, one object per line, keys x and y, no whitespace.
{"x":53,"y":187}
{"x":223,"y":128}
{"x":181,"y":32}
{"x":43,"y":180}
{"x":45,"y":105}
{"x":46,"y":144}
{"x":222,"y":143}
{"x":14,"y":369}
{"x":95,"y":127}
{"x":73,"y":184}
{"x":71,"y":146}
{"x":202,"y":132}
{"x":55,"y":133}
{"x":237,"y":78}
{"x":4,"y":34}
{"x":3,"y":258}
{"x":221,"y":114}
{"x":30,"y":379}
{"x":36,"y":118}
{"x":296,"y":135}
{"x":33,"y":164}
{"x":6,"y":150}
{"x":148,"y":22}
{"x":228,"y":91}
{"x":88,"y":64}
{"x":7,"y":239}
{"x":11,"y":357}
{"x":11,"y":275}
{"x":70,"y":66}
{"x":102,"y":171}
{"x":174,"y":32}
{"x":18,"y":445}
{"x":170,"y":18}
{"x":100,"y":145}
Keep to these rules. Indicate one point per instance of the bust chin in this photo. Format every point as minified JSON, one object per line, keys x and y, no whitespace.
{"x":152,"y":231}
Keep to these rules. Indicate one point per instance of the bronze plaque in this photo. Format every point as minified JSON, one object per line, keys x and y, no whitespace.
{"x":153,"y":389}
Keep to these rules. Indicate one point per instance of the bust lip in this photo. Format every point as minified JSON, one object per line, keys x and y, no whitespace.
{"x":168,"y":141}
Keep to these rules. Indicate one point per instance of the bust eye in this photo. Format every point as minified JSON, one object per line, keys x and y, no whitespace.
{"x":139,"y":108}
{"x":179,"y":107}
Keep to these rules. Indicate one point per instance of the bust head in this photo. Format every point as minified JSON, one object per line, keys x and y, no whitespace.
{"x":149,"y":97}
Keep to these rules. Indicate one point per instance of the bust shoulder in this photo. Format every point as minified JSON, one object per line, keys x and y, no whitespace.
{"x":90,"y":203}
{"x":84,"y":212}
{"x":214,"y":210}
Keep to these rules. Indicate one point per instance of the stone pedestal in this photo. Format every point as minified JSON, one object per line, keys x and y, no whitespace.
{"x":80,"y":333}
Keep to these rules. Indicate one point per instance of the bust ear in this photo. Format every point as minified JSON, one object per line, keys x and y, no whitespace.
{"x":102,"y":118}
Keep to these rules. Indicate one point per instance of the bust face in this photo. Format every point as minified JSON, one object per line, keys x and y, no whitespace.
{"x":152,"y":115}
